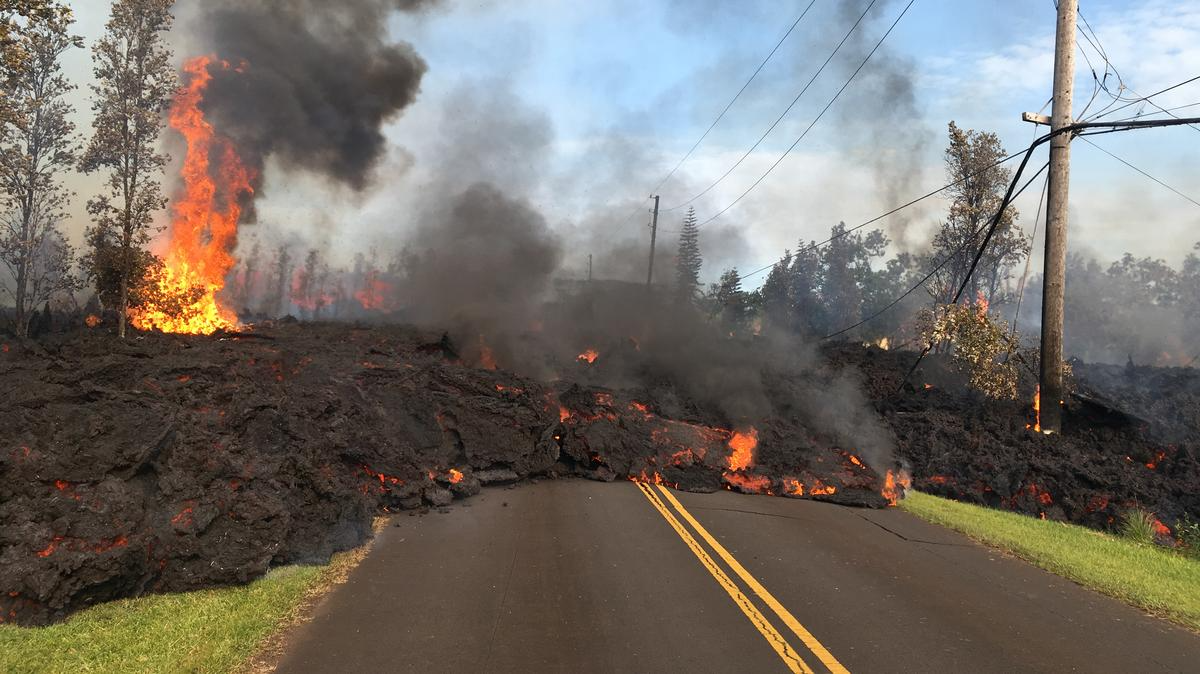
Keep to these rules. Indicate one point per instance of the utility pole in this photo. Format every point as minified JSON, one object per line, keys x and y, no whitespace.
{"x":653,"y":240}
{"x":1051,"y":392}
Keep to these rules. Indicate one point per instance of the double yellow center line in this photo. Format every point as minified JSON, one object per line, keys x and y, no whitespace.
{"x":659,"y":497}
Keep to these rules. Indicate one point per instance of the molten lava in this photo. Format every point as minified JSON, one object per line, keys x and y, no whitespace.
{"x":742,"y":444}
{"x":204,"y":226}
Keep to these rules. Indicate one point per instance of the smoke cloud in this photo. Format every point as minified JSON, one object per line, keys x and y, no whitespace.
{"x":319,"y":81}
{"x":880,"y":110}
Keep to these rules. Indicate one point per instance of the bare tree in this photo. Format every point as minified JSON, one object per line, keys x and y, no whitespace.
{"x":135,"y":83}
{"x":37,"y":145}
{"x":282,"y":270}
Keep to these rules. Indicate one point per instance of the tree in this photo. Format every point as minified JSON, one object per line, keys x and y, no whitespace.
{"x":37,"y":145}
{"x":776,"y":298}
{"x":249,"y":277}
{"x":134,"y":85}
{"x":978,"y":189}
{"x":16,"y":17}
{"x":282,"y":270}
{"x":688,"y":262}
{"x":730,"y":303}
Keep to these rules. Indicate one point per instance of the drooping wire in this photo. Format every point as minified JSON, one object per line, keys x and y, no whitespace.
{"x":817,"y":119}
{"x":1197,"y":203}
{"x":778,"y":119}
{"x":735,"y":98}
{"x":990,"y":227}
{"x":895,"y":210}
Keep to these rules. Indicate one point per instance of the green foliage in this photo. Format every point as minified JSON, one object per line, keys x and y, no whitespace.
{"x":819,"y":290}
{"x":729,"y":303}
{"x":688,"y":261}
{"x":1137,"y":525}
{"x":1188,"y":532}
{"x":980,"y":346}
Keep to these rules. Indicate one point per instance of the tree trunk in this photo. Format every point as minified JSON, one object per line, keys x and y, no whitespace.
{"x":22,"y":313}
{"x":124,"y":308}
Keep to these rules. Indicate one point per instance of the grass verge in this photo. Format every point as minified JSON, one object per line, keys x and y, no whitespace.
{"x":233,"y":629}
{"x":1157,"y":580}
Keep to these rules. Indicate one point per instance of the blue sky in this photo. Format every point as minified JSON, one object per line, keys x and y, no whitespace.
{"x":582,"y":107}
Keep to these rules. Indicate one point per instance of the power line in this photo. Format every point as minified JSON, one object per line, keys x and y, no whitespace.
{"x":1141,"y":172}
{"x":1142,"y":99}
{"x":779,"y":119}
{"x":1029,"y":258}
{"x":1079,"y":130}
{"x":990,"y":226}
{"x":735,"y":97}
{"x":895,"y":210}
{"x":817,"y":119}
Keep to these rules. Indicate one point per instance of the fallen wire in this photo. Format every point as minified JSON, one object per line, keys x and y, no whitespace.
{"x":1077,"y":129}
{"x":946,"y":260}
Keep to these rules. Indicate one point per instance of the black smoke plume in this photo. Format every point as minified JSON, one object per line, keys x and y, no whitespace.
{"x":313,"y":81}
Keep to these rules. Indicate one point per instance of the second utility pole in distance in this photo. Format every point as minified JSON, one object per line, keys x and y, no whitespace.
{"x":653,"y":240}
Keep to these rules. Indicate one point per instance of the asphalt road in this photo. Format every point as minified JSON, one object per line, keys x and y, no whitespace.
{"x":575,"y":576}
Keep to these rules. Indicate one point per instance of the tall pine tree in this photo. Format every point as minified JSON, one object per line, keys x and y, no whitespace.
{"x":688,"y":262}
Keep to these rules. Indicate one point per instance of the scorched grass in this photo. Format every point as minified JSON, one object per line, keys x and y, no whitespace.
{"x":1154,"y":579}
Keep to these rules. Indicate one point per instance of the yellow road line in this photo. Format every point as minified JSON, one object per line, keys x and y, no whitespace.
{"x":785,"y":651}
{"x":809,"y":640}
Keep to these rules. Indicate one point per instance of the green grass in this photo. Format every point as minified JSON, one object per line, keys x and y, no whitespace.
{"x":1158,"y":580}
{"x":204,"y":631}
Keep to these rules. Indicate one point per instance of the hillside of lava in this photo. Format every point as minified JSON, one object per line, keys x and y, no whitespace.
{"x":169,"y":463}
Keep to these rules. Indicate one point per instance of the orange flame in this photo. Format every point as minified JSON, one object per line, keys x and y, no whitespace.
{"x":588,"y":356}
{"x":204,"y":225}
{"x":981,"y":305}
{"x":92,"y":320}
{"x":743,"y":445}
{"x":487,"y":359}
{"x":374,"y":293}
{"x":1037,"y":411}
{"x":456,"y":476}
{"x":894,"y":486}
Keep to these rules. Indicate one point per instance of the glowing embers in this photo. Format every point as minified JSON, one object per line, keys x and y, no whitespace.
{"x":589,"y":356}
{"x":182,"y":294}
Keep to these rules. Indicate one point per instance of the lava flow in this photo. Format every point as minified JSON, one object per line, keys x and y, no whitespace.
{"x":203,"y":231}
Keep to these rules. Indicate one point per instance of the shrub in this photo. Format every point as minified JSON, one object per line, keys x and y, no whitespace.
{"x":1188,"y":532}
{"x":1138,"y":526}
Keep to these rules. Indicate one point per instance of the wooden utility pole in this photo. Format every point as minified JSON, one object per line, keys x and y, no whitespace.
{"x":653,"y":240}
{"x":1056,"y":220}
